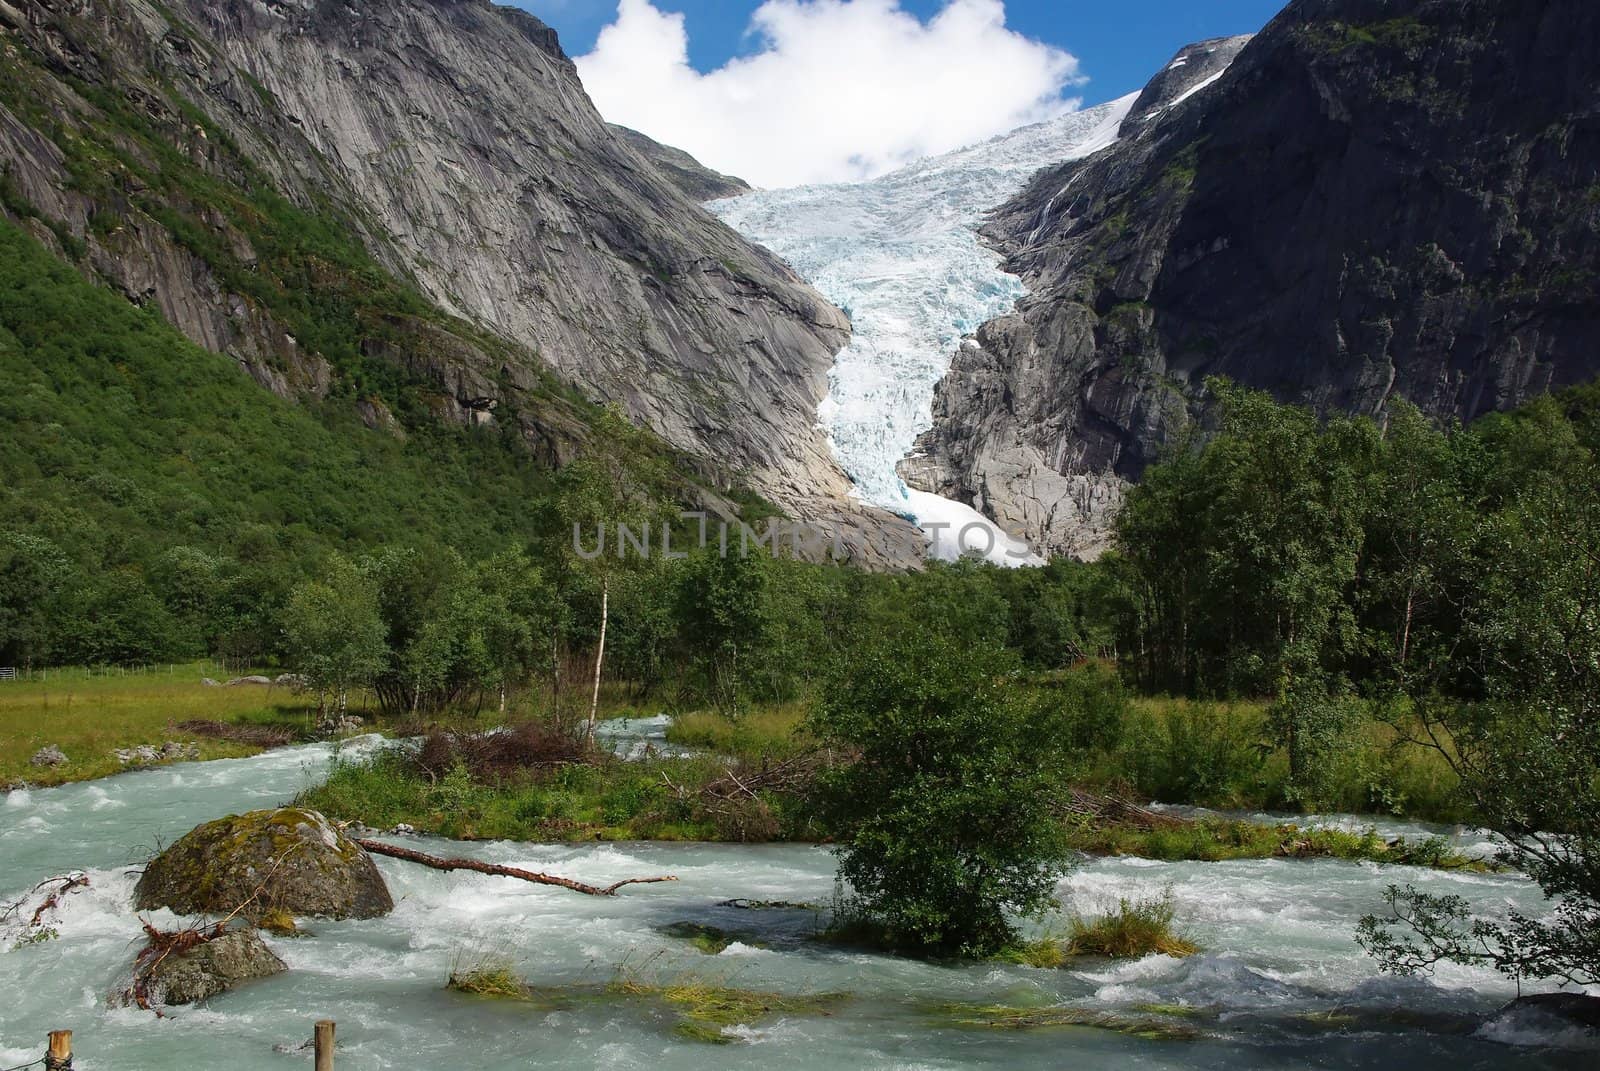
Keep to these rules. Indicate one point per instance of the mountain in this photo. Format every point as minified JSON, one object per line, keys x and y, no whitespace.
{"x":902,"y":253}
{"x":694,"y":180}
{"x":1374,"y":199}
{"x":411,"y":208}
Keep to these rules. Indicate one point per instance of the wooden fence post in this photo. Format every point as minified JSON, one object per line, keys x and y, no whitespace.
{"x":324,"y":1045}
{"x":60,"y":1054}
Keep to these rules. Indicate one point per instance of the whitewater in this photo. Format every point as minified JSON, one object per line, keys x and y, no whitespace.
{"x":901,"y":255}
{"x":1280,"y":984}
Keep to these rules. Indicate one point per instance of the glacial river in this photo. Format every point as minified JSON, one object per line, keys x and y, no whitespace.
{"x":1280,"y":985}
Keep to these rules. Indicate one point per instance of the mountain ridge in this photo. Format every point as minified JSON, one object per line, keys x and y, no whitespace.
{"x":449,"y":150}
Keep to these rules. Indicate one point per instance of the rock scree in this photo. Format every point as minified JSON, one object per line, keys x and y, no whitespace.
{"x":298,"y":860}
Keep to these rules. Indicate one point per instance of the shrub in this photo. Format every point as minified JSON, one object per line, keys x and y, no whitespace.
{"x":944,"y":817}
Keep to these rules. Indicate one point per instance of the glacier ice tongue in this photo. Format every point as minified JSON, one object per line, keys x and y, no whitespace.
{"x":902,"y":256}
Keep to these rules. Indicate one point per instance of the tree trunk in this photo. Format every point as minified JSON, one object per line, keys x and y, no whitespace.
{"x":555,"y":673}
{"x":599,"y":658}
{"x":378,"y":847}
{"x":502,"y":699}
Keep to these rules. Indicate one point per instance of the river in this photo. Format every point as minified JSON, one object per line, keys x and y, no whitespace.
{"x":1281,"y":983}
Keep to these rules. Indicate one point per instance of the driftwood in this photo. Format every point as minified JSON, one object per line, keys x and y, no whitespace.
{"x":1118,"y":811}
{"x":377,"y":847}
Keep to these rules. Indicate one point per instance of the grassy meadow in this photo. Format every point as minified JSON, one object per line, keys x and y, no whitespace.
{"x":89,"y":715}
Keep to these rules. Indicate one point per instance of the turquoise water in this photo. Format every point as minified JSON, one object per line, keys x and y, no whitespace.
{"x":1277,"y":934}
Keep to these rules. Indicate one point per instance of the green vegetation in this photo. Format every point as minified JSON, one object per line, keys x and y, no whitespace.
{"x":1215,"y":840}
{"x":91,"y":716}
{"x":944,"y":817}
{"x":1446,"y":581}
{"x":698,"y":1009}
{"x":488,"y":978}
{"x":1132,"y":930}
{"x":1154,"y":1027}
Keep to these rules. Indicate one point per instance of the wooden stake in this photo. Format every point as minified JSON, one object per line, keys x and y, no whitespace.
{"x":60,"y":1054}
{"x":324,"y":1036}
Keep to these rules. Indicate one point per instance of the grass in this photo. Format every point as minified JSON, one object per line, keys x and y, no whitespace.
{"x":488,"y":978}
{"x":710,"y":940}
{"x":706,"y":1010}
{"x":701,"y":1010}
{"x":1007,"y":1017}
{"x":1216,"y":840}
{"x":1133,"y":930}
{"x":764,"y":732}
{"x":90,"y":716}
{"x":1221,"y":755}
{"x":604,"y":798}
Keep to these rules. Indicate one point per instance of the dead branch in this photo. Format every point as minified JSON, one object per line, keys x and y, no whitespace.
{"x":53,"y":901}
{"x":64,"y":884}
{"x":1111,"y":809}
{"x":377,"y":847}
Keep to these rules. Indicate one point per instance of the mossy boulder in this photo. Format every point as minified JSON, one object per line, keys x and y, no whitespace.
{"x":212,"y":968}
{"x":300,"y":863}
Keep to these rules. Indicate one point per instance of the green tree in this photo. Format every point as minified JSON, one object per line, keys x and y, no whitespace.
{"x":334,"y":634}
{"x":1527,"y":746}
{"x":944,"y":817}
{"x":723,"y":619}
{"x":605,"y":499}
{"x":517,"y":611}
{"x":32,"y":570}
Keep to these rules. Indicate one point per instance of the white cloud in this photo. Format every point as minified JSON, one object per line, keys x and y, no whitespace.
{"x":835,"y":90}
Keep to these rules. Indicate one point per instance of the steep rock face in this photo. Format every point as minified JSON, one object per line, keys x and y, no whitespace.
{"x":1375,"y":199}
{"x":695,"y":180}
{"x":454,"y":139}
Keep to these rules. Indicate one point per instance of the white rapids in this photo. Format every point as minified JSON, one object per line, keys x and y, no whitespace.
{"x":901,"y":255}
{"x":1280,"y":985}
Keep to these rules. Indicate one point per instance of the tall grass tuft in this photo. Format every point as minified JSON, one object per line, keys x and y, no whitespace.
{"x":1136,"y":928}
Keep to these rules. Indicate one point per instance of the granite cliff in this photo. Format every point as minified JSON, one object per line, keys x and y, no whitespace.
{"x":1374,"y":199}
{"x":429,"y":179}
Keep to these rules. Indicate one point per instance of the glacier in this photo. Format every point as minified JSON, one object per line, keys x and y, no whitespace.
{"x":901,"y":255}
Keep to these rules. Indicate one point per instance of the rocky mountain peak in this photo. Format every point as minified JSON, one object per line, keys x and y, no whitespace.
{"x":1191,"y":69}
{"x":1378,"y":198}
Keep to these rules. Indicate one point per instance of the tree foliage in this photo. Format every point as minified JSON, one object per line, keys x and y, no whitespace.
{"x":944,"y":815}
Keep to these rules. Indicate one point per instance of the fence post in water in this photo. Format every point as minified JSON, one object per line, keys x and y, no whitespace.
{"x":60,"y":1054}
{"x":324,"y":1044}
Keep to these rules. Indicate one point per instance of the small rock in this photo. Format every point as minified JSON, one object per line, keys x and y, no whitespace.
{"x":209,"y":683}
{"x":403,"y":830}
{"x":213,"y":968}
{"x":48,"y":756}
{"x":1573,"y":1009}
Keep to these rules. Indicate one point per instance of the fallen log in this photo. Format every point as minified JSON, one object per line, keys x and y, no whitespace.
{"x":378,"y":847}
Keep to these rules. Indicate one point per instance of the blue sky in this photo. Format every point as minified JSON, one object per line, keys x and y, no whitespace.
{"x":1119,"y":45}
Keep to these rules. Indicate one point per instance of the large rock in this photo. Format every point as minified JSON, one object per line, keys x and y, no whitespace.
{"x":212,"y":968}
{"x":296,"y":858}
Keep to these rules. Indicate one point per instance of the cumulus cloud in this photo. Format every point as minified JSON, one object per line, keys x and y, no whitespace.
{"x":833,"y":90}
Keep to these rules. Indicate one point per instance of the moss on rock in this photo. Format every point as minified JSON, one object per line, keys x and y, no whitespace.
{"x":291,"y":860}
